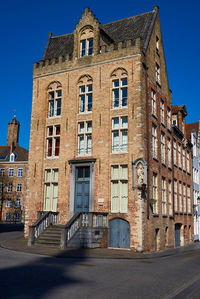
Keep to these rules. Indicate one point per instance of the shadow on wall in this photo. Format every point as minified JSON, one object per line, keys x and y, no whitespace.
{"x":40,"y":278}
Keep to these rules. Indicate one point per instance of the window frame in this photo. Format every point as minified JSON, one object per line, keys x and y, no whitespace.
{"x":20,"y":172}
{"x":85,"y":95}
{"x":155,"y":192}
{"x":11,"y":172}
{"x":55,"y":99}
{"x":121,"y":147}
{"x":19,"y":187}
{"x":87,"y":47}
{"x":120,"y":180}
{"x":154,"y":141}
{"x":120,"y":88}
{"x":85,"y":138}
{"x":52,"y":147}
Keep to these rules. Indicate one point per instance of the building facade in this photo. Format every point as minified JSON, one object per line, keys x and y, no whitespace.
{"x":193,"y":134}
{"x":101,"y":133}
{"x":13,"y":174}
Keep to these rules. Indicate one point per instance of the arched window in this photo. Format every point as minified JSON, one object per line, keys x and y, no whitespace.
{"x":85,"y":94}
{"x":119,"y":88}
{"x":86,"y":41}
{"x":54,"y":97}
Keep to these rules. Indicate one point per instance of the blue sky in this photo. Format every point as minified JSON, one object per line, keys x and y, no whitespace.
{"x":24,"y":28}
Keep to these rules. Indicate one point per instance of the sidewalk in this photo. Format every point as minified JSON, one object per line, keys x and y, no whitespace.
{"x":20,"y":244}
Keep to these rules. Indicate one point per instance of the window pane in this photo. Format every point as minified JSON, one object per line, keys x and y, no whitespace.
{"x":82,"y":103}
{"x":124,"y":197}
{"x":83,"y":46}
{"x":51,"y":108}
{"x":89,"y":144}
{"x":81,"y":144}
{"x":59,"y":93}
{"x":50,"y":131}
{"x":81,"y":127}
{"x":47,"y":175}
{"x":57,"y":146}
{"x":47,"y":206}
{"x":124,"y":141}
{"x":90,"y":88}
{"x":124,"y":172}
{"x":115,"y":172}
{"x":90,"y":46}
{"x":124,"y":82}
{"x":116,"y":98}
{"x":116,"y":141}
{"x":116,"y":123}
{"x":124,"y":97}
{"x":58,"y":107}
{"x":114,"y":197}
{"x":124,"y":122}
{"x":116,"y":83}
{"x":49,"y":147}
{"x":90,"y":102}
{"x":89,"y":126}
{"x":51,"y":95}
{"x":82,"y":89}
{"x":57,"y":130}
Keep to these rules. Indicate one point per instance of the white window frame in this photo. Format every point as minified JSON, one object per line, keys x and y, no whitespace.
{"x":51,"y":180}
{"x":9,"y":203}
{"x":175,"y":196}
{"x":18,"y":203}
{"x":154,"y":141}
{"x":11,"y":172}
{"x":120,"y":180}
{"x":169,"y":158}
{"x":121,"y":130}
{"x":10,"y":187}
{"x":85,"y":138}
{"x":2,"y":171}
{"x":52,"y":137}
{"x":20,"y":172}
{"x":188,"y":199}
{"x":153,"y":102}
{"x":86,"y":97}
{"x":16,"y":217}
{"x":188,"y":162}
{"x":155,"y":193}
{"x":157,"y":69}
{"x":168,"y":119}
{"x":179,"y":155}
{"x":170,"y":197}
{"x":54,"y":97}
{"x":88,"y":47}
{"x":119,"y":85}
{"x":162,"y":147}
{"x":7,"y":217}
{"x":184,"y":199}
{"x":162,"y":111}
{"x":174,"y":151}
{"x":183,"y":156}
{"x":163,"y":196}
{"x":180,"y":197}
{"x":19,"y":187}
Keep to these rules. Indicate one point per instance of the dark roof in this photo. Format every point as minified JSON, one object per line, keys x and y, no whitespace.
{"x":21,"y":154}
{"x":14,"y":121}
{"x":192,"y":127}
{"x":177,"y":108}
{"x":118,"y":31}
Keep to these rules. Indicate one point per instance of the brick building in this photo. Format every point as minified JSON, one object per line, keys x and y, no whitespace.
{"x":193,"y":134}
{"x":101,"y":133}
{"x":13,"y":173}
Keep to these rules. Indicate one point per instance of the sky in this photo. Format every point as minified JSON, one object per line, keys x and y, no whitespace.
{"x":24,"y":28}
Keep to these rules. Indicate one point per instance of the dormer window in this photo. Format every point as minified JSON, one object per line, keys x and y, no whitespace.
{"x":12,"y":157}
{"x":86,"y":47}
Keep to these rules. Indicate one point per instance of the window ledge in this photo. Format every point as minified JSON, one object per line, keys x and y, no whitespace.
{"x":163,"y":163}
{"x":119,"y":153}
{"x":51,"y":158}
{"x":169,"y":167}
{"x":158,"y":83}
{"x":180,"y":168}
{"x":164,"y":216}
{"x":119,"y":108}
{"x":181,"y":213}
{"x":184,"y":170}
{"x":189,"y":214}
{"x":169,"y":130}
{"x":176,"y":212}
{"x":154,"y":158}
{"x":84,"y":113}
{"x":171,"y":217}
{"x":188,"y":173}
{"x":154,"y":116}
{"x":175,"y":165}
{"x":155,"y":215}
{"x":163,"y":124}
{"x":53,"y":117}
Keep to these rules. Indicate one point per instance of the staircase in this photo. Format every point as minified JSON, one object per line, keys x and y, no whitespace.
{"x":50,"y":237}
{"x":84,"y":229}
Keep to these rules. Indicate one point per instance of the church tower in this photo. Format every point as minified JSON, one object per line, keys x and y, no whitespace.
{"x":13,"y":132}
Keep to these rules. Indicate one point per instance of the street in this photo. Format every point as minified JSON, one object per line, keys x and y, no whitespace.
{"x":27,"y":275}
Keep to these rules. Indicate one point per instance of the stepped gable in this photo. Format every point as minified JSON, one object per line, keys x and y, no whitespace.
{"x":117,"y":31}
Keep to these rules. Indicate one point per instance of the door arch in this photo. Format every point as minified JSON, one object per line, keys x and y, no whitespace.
{"x":177,"y":234}
{"x":119,"y":233}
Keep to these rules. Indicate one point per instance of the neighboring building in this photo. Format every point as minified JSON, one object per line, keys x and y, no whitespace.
{"x":13,"y":174}
{"x":193,"y":134}
{"x":102,"y":136}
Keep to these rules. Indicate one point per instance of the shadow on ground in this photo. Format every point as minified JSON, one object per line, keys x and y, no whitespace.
{"x":39,"y":278}
{"x":11,"y":227}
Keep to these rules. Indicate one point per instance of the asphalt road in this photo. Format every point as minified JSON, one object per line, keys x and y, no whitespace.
{"x":25,"y":275}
